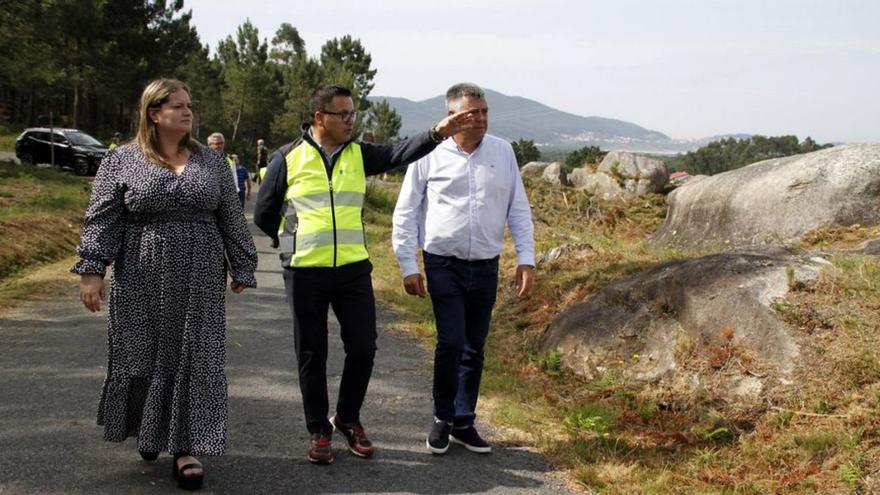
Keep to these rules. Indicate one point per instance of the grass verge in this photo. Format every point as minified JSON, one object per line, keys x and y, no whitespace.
{"x":41,"y":214}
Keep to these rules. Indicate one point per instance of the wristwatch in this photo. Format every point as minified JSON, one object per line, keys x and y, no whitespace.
{"x":435,"y":135}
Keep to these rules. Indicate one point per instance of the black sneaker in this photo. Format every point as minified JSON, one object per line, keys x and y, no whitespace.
{"x":438,"y":439}
{"x":471,"y":440}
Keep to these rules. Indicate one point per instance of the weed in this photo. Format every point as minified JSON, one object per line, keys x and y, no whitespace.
{"x":587,"y":476}
{"x":591,"y":417}
{"x":850,"y":473}
{"x":817,"y":445}
{"x":603,"y":383}
{"x":550,"y":363}
{"x":782,"y":419}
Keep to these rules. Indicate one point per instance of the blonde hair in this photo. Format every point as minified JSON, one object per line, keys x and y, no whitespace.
{"x":155,"y":94}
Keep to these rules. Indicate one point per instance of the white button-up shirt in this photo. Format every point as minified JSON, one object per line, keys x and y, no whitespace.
{"x":456,"y":204}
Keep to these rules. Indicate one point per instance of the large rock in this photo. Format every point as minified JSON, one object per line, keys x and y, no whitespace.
{"x":599,"y":184}
{"x":555,"y":174}
{"x":533,"y":169}
{"x":776,"y":201}
{"x":639,"y":174}
{"x":622,"y":174}
{"x":721,"y":301}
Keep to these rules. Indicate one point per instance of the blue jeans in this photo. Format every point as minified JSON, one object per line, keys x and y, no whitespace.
{"x":463,"y":294}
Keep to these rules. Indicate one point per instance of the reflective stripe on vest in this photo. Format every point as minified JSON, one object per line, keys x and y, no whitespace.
{"x":322,"y":221}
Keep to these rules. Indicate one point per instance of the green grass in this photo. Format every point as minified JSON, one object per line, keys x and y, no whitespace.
{"x":7,"y":142}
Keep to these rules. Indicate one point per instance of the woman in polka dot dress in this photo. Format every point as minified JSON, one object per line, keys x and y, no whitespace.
{"x":165,"y":214}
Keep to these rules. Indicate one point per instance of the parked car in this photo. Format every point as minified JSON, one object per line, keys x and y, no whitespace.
{"x":73,"y":148}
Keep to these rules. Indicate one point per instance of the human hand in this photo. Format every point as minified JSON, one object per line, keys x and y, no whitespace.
{"x":456,"y":122}
{"x":525,"y":278}
{"x":414,"y":286}
{"x":237,"y":287}
{"x":92,"y":291}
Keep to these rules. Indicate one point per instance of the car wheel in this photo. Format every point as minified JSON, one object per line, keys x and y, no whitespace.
{"x":26,"y":159}
{"x":81,"y":166}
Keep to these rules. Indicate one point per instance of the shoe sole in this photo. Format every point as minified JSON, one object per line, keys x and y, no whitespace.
{"x":320,"y":461}
{"x":435,"y":450}
{"x":472,"y":448}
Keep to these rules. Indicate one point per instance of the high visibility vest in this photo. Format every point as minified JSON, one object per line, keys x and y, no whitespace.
{"x":322,"y":223}
{"x":231,"y":163}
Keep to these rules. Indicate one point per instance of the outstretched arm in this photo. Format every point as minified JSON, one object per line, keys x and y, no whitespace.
{"x":379,"y":158}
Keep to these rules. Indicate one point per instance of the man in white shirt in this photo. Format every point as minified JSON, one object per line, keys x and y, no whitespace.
{"x":454,"y":204}
{"x":217,"y":142}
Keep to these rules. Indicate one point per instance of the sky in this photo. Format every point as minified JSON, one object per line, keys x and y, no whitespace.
{"x":689,"y":69}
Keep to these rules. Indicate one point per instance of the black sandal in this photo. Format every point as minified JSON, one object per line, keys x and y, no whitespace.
{"x":191,"y":482}
{"x":148,"y":456}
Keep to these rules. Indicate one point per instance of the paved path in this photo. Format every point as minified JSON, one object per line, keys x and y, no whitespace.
{"x":52,"y":364}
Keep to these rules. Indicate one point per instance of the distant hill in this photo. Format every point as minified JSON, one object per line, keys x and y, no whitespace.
{"x":514,"y":117}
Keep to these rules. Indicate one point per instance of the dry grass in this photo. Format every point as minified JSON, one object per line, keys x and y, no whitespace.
{"x":40,"y":216}
{"x":38,"y":282}
{"x":616,"y":437}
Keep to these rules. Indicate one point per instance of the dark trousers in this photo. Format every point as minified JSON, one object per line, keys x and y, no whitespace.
{"x":349,"y":291}
{"x":463,"y":294}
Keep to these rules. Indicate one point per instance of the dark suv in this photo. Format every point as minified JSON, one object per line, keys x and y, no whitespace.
{"x":73,"y":148}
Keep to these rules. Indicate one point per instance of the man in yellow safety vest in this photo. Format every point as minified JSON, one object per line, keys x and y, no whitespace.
{"x":311,"y":204}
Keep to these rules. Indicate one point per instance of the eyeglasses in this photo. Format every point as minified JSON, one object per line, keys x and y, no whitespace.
{"x":346,"y":116}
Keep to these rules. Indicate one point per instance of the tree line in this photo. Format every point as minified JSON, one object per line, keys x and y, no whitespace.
{"x":728,"y":154}
{"x":84,"y":64}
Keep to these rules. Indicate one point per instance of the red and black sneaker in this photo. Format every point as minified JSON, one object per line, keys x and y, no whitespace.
{"x":358,"y":443}
{"x":321,"y":452}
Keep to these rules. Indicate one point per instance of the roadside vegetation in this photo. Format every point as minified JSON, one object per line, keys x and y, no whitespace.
{"x":620,"y":437}
{"x":41,"y":214}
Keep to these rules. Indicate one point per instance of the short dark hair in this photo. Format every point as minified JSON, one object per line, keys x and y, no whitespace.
{"x":322,"y":97}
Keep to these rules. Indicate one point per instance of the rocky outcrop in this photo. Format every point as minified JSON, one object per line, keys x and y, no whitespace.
{"x":622,"y":174}
{"x":777,"y":201}
{"x":599,"y":184}
{"x":722,"y":300}
{"x":638,"y":174}
{"x":551,"y":172}
{"x":533,"y":169}
{"x":555,"y":174}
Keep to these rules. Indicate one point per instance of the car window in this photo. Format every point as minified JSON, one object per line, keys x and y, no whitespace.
{"x":39,"y":136}
{"x":59,"y":138}
{"x":83,"y":139}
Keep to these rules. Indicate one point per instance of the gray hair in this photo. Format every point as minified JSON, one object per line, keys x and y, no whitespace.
{"x":216,"y":136}
{"x":461,"y":90}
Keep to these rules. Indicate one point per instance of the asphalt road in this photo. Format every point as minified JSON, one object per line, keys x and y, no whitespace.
{"x":52,"y":364}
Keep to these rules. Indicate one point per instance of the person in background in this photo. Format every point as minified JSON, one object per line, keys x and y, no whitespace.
{"x":454,"y":205}
{"x":311,"y":204}
{"x":262,"y":160}
{"x":217,"y":142}
{"x":114,"y":141}
{"x":163,"y":213}
{"x":244,"y":180}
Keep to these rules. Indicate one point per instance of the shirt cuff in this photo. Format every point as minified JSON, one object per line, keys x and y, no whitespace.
{"x":89,"y":267}
{"x":408,"y":268}
{"x":525,"y":259}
